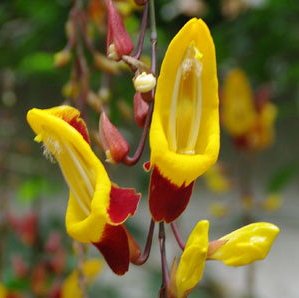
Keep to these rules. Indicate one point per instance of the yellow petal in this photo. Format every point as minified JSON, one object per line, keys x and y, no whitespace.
{"x":85,"y":175}
{"x":90,"y":270}
{"x":237,"y":106}
{"x":246,"y":245}
{"x":184,"y":134}
{"x":192,"y":263}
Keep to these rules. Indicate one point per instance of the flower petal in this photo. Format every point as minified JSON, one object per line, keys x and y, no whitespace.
{"x":84,"y":173}
{"x":114,"y":247}
{"x":246,"y":245}
{"x":192,"y":263}
{"x":180,"y":168}
{"x":166,"y":200}
{"x":123,"y":203}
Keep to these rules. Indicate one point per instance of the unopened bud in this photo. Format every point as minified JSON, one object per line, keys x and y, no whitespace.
{"x":140,"y":109}
{"x":144,"y":82}
{"x":114,"y":144}
{"x":62,"y":58}
{"x":119,"y":42}
{"x":245,"y":245}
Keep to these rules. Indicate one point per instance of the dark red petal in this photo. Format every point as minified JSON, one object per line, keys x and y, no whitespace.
{"x":166,"y":200}
{"x":114,"y":247}
{"x":123,"y":203}
{"x":80,"y":126}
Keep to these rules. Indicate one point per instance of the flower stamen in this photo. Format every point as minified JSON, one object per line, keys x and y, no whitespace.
{"x":186,"y":103}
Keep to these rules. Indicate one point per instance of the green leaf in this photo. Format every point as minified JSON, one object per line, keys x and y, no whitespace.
{"x":37,"y":62}
{"x":32,"y":189}
{"x":282,"y":177}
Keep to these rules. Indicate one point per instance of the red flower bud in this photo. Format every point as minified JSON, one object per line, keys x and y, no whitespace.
{"x":114,"y":144}
{"x":118,"y":40}
{"x":140,"y":109}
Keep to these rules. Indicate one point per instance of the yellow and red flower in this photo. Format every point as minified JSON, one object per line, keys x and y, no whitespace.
{"x":184,"y":133}
{"x":96,"y":208}
{"x":249,"y":120}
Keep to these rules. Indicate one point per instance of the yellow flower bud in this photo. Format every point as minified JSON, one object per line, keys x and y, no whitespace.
{"x":192,"y":263}
{"x":144,"y":82}
{"x":246,"y":245}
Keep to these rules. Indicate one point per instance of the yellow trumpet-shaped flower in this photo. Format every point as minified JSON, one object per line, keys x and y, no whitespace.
{"x":70,"y":287}
{"x":246,"y":245}
{"x":241,"y":247}
{"x":192,"y":263}
{"x":237,"y":105}
{"x":96,"y":208}
{"x":184,"y":133}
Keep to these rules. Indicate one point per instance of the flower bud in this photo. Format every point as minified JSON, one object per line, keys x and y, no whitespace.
{"x":62,"y":58}
{"x":245,"y":245}
{"x":114,"y":144}
{"x":118,"y":40}
{"x":144,"y":82}
{"x":140,"y":109}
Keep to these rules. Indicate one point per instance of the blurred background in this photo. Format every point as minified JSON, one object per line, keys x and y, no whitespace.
{"x":261,"y":37}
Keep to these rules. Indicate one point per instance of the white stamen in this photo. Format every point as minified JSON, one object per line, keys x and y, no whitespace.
{"x":194,"y":131}
{"x":81,"y":169}
{"x":190,"y":66}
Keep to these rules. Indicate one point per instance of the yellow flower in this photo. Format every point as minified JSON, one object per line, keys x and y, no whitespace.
{"x":241,"y":247}
{"x":96,"y":208}
{"x":70,"y":287}
{"x":237,"y":104}
{"x":192,"y":263}
{"x":184,"y":133}
{"x":246,"y":245}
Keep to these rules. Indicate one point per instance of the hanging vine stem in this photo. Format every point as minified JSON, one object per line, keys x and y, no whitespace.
{"x":177,"y":235}
{"x":130,"y":161}
{"x":143,"y":26}
{"x":165,"y":273}
{"x":147,"y":249}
